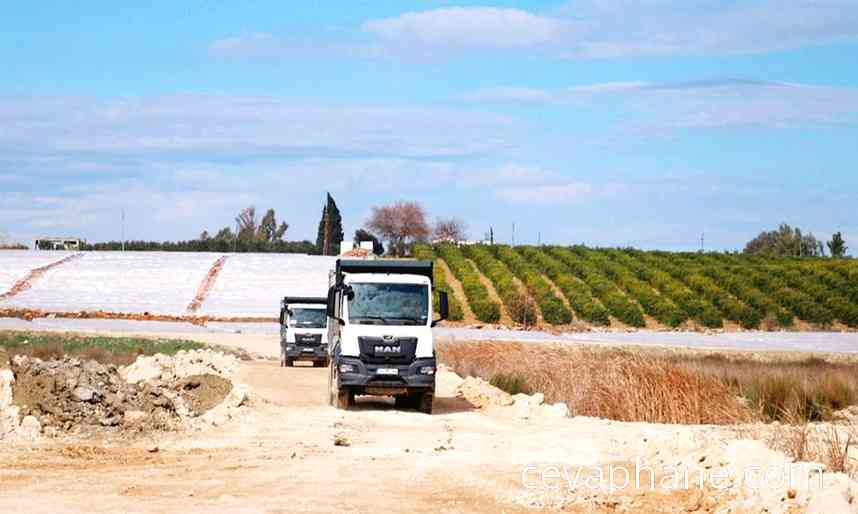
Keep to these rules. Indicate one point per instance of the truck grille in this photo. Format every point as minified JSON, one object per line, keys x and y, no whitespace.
{"x":378,"y":350}
{"x":308,"y":339}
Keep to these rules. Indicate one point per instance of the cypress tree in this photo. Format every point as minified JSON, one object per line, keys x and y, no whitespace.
{"x":330,"y":233}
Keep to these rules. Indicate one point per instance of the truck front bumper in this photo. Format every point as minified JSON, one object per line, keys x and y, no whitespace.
{"x":297,"y":352}
{"x":386,"y":379}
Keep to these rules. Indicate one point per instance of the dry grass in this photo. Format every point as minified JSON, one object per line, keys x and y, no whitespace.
{"x":608,"y":384}
{"x":833,"y":444}
{"x":662,"y":388}
{"x":811,"y":389}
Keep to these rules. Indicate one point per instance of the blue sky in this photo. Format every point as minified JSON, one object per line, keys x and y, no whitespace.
{"x":607,"y":122}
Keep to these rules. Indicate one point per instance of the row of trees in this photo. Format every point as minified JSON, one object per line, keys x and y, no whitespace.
{"x":399,"y":225}
{"x":251,"y":234}
{"x":791,"y":242}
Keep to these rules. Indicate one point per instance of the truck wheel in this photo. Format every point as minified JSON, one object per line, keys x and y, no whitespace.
{"x":425,"y":403}
{"x":403,"y":401}
{"x":289,"y":363}
{"x":345,"y":399}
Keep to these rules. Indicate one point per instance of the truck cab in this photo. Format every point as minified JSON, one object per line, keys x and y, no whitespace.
{"x":380,"y":328}
{"x":303,"y":330}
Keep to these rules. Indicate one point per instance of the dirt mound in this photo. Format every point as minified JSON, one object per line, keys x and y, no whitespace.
{"x":183,"y":364}
{"x":203,"y":392}
{"x":73,"y":395}
{"x":483,"y":395}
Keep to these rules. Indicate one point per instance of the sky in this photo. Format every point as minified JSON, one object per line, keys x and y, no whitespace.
{"x":646,"y":123}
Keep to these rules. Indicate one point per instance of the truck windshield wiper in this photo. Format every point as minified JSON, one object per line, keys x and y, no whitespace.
{"x":416,"y":321}
{"x":372,"y":318}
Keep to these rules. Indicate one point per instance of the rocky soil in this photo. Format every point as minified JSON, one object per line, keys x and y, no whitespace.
{"x":49,"y":398}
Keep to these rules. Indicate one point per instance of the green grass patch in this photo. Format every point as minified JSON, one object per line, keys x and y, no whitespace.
{"x":104,"y":349}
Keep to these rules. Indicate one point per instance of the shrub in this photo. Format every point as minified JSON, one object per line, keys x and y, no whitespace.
{"x":607,"y":292}
{"x":520,"y":308}
{"x":425,"y":252}
{"x":486,"y":310}
{"x":553,"y":310}
{"x":476,"y":294}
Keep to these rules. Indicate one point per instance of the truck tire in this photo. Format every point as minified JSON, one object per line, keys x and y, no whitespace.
{"x":424,"y":404}
{"x":289,"y":363}
{"x":345,"y":399}
{"x":403,"y":401}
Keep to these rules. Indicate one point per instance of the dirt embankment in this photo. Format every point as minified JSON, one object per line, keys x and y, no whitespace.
{"x":206,"y":285}
{"x":31,"y":314}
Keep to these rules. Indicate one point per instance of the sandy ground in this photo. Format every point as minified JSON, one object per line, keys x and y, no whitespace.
{"x":282,"y":457}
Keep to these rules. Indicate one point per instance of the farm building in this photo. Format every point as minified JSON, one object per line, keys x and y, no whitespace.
{"x":58,"y":243}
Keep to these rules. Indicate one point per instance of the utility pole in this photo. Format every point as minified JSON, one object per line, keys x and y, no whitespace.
{"x":513,"y":233}
{"x":235,"y":239}
{"x":702,"y":237}
{"x":539,"y":238}
{"x":123,"y":229}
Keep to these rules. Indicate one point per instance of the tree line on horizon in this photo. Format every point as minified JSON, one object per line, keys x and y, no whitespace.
{"x":398,"y":226}
{"x":393,"y":229}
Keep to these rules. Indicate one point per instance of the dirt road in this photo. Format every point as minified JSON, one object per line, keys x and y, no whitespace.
{"x":282,"y":457}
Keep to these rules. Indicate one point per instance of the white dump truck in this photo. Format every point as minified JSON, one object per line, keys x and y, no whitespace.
{"x":380,"y":329}
{"x":303,"y":330}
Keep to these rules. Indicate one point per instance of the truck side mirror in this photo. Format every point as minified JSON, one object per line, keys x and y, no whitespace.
{"x":331,"y":300}
{"x":282,"y":315}
{"x":443,"y":304}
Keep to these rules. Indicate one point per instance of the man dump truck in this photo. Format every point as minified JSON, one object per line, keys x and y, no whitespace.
{"x":380,"y":328}
{"x":303,"y":330}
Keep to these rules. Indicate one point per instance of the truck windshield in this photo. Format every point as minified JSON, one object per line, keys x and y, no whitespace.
{"x":308,"y":318}
{"x":389,"y":304}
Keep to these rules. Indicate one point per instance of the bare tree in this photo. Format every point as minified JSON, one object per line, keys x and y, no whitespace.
{"x":247,"y":225}
{"x":400,"y":224}
{"x":450,"y":230}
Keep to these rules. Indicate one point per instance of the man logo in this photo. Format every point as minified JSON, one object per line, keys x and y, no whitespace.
{"x":387,"y":349}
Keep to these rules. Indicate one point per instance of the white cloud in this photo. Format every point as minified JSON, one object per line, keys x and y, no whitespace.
{"x":579,"y":29}
{"x":509,"y":94}
{"x":230,"y":126}
{"x":619,"y":28}
{"x":701,"y":104}
{"x":258,"y":42}
{"x":467,"y":28}
{"x":546,"y":194}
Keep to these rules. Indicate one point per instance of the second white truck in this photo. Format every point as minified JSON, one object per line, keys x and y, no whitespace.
{"x":303,"y":330}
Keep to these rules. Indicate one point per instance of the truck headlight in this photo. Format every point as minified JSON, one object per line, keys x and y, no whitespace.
{"x":427,"y":370}
{"x":347,"y":368}
{"x":290,"y":346}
